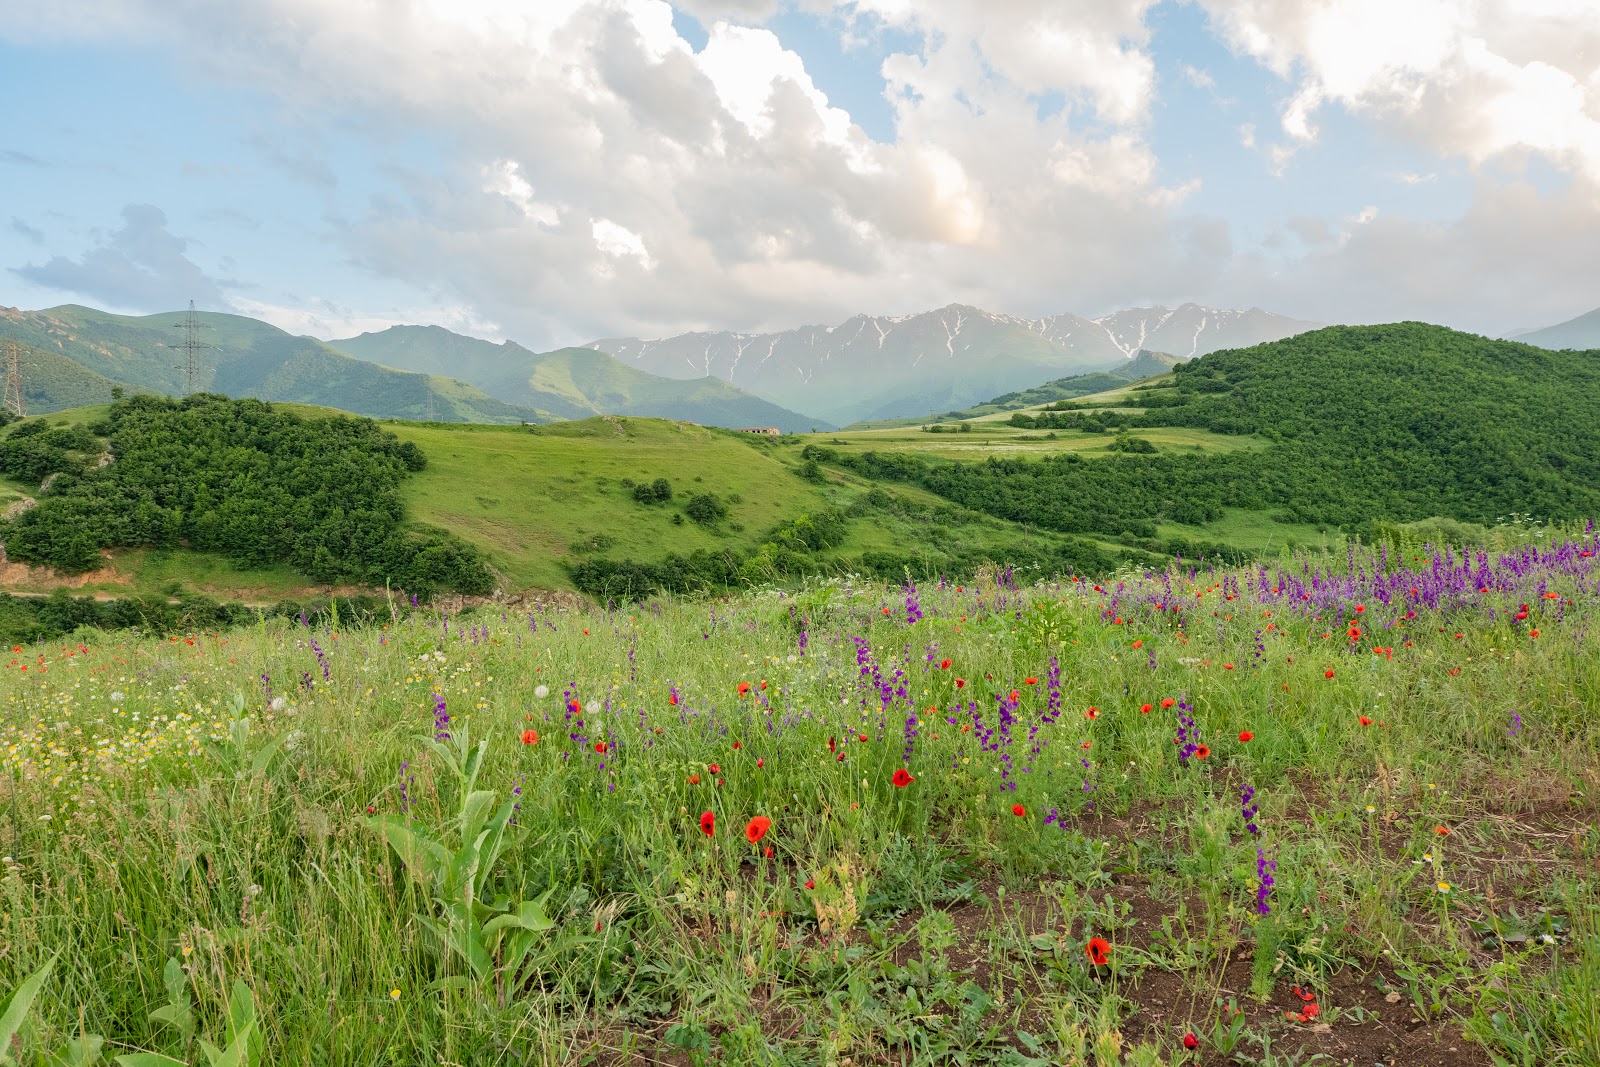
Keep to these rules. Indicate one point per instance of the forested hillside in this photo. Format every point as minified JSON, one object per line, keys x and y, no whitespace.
{"x":237,"y":477}
{"x":1402,"y":422}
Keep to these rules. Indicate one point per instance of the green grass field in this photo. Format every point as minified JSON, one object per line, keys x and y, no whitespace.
{"x":1281,"y":817}
{"x":995,"y":438}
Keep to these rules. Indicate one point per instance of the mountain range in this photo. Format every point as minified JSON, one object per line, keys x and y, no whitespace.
{"x":76,"y":355}
{"x":1582,"y":332}
{"x":885,"y":367}
{"x":569,"y":383}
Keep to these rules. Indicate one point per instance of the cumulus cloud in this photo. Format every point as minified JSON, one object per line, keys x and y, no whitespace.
{"x":140,"y":266}
{"x":1478,"y":79}
{"x":607,"y":178}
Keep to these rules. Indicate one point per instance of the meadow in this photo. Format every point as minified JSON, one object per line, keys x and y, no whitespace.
{"x":1335,"y":808}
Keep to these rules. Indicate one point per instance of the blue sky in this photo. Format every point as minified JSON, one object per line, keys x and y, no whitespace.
{"x":617,"y":167}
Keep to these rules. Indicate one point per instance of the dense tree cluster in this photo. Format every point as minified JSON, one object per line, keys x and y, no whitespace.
{"x":1402,"y":422}
{"x":238,"y":477}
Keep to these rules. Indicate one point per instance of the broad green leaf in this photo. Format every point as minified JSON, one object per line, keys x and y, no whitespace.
{"x":21,"y":1001}
{"x":264,"y":756}
{"x":530,"y":916}
{"x":241,"y":1012}
{"x":79,"y":1052}
{"x":426,"y":859}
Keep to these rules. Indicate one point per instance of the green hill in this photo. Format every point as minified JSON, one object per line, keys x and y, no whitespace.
{"x":1401,"y":422}
{"x":1144,"y":365}
{"x":569,"y":383}
{"x":76,"y":355}
{"x":1582,"y":332}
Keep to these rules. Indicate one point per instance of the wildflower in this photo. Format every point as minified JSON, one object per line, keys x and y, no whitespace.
{"x":902,"y":778}
{"x":1227,"y":666}
{"x":1360,"y":608}
{"x":1099,"y":951}
{"x":1138,"y":644}
{"x":811,"y":883}
{"x":767,"y":852}
{"x":757,"y":828}
{"x":744,"y":688}
{"x":961,"y":683}
{"x":1190,"y":1041}
{"x":600,"y":747}
{"x":1365,"y":721}
{"x":1030,"y":681}
{"x":737,"y":746}
{"x":1145,"y":709}
{"x":714,"y":768}
{"x":1201,"y":751}
{"x":1443,"y":887}
{"x":1328,"y":673}
{"x":1167,"y":703}
{"x":1093,"y":713}
{"x":1442,"y":831}
{"x":944,"y":665}
{"x":708,"y":823}
{"x":394,"y":994}
{"x":1246,"y":735}
{"x":761,"y":761}
{"x":371,"y":810}
{"x":694,"y":779}
{"x":1018,"y":810}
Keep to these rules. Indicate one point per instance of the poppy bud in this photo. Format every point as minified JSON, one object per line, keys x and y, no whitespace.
{"x":1190,"y":1041}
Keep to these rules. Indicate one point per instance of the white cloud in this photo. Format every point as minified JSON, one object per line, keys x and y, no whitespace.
{"x":619,"y":242}
{"x":327,"y":320}
{"x":1478,"y":79}
{"x":504,"y":178}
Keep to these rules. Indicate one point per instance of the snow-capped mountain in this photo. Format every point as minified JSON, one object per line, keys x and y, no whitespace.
{"x":880,"y":366}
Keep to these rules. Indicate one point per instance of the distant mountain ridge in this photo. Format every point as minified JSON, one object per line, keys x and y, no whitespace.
{"x":883,"y":367}
{"x":570,"y":383}
{"x":76,"y":355}
{"x":1582,"y":333}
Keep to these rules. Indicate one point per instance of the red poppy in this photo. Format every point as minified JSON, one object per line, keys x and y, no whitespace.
{"x":1328,"y":673}
{"x":761,"y":761}
{"x":1139,"y":643}
{"x":371,"y":810}
{"x":1018,"y":810}
{"x":1360,"y":608}
{"x":1533,"y":633}
{"x":1167,"y":703}
{"x":713,"y":768}
{"x":767,"y":852}
{"x":886,"y":611}
{"x":861,"y":737}
{"x":1365,"y":721}
{"x":1354,"y":632}
{"x":961,"y":683}
{"x":902,"y":778}
{"x":530,"y":737}
{"x":1246,"y":735}
{"x":694,"y":779}
{"x":600,"y":747}
{"x":1093,"y":713}
{"x":757,"y":828}
{"x":944,"y":665}
{"x":708,"y":823}
{"x":1201,"y":751}
{"x":586,"y":631}
{"x":1441,"y":830}
{"x":811,"y":883}
{"x":1190,"y":1041}
{"x":744,"y":688}
{"x":1145,"y":709}
{"x":1227,"y":666}
{"x":737,"y":746}
{"x":1030,"y":681}
{"x":1099,"y":951}
{"x":672,"y":698}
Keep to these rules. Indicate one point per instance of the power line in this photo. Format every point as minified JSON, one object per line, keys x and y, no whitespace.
{"x":14,"y":401}
{"x":191,"y":346}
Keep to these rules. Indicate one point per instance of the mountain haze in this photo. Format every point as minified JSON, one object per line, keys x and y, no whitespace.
{"x":885,"y":367}
{"x":1581,"y":333}
{"x":569,"y":383}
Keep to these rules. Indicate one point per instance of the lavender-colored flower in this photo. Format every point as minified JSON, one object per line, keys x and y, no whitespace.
{"x":441,"y":718}
{"x":1265,"y":881}
{"x":1248,"y":809}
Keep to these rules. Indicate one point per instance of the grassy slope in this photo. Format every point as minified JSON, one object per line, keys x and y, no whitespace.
{"x":532,"y":500}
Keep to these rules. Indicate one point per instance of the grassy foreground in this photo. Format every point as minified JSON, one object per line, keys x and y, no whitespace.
{"x":1340,"y":807}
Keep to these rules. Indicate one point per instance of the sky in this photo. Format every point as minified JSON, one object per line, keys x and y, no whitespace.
{"x":556,"y":171}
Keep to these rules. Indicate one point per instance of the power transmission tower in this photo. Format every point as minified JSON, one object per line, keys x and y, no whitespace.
{"x":14,"y":401}
{"x":191,"y":346}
